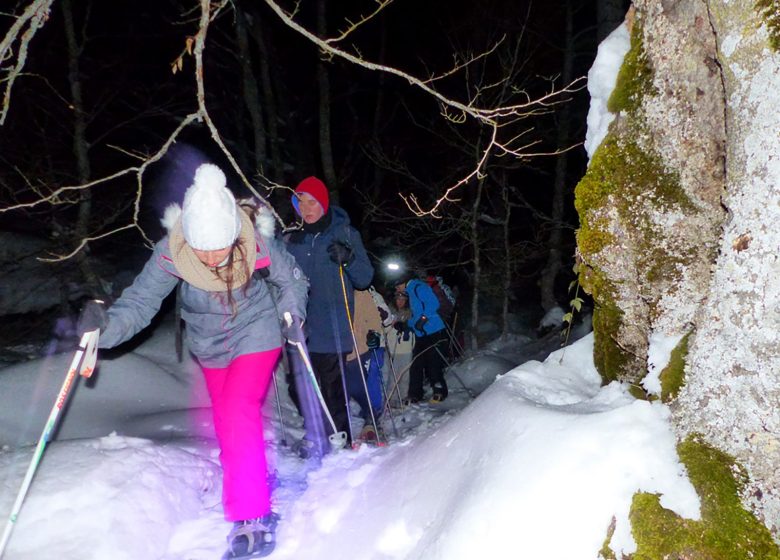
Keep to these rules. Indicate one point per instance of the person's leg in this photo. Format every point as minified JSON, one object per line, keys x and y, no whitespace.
{"x":237,"y":393}
{"x":355,"y":388}
{"x":328,"y":371}
{"x":435,"y":364}
{"x":417,"y":369}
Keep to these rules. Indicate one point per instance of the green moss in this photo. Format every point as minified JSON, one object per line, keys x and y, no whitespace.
{"x":606,"y":553}
{"x":638,"y":392}
{"x":592,"y":240}
{"x":673,"y":375}
{"x":726,"y":531}
{"x":623,"y":176}
{"x":769,"y":10}
{"x":635,"y":78}
{"x":610,"y":359}
{"x":625,"y":185}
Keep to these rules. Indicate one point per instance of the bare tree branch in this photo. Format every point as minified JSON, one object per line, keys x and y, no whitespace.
{"x":33,"y":17}
{"x":494,"y":118}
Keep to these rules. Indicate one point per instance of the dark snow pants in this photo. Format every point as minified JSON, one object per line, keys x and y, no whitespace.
{"x":428,"y":363}
{"x":328,"y":373}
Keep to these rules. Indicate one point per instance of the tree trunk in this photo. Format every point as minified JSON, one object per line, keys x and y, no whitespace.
{"x":323,"y":83}
{"x":555,"y":243}
{"x":80,"y":150}
{"x":507,"y":261}
{"x":276,"y":169}
{"x":251,"y":94}
{"x":476,"y":259}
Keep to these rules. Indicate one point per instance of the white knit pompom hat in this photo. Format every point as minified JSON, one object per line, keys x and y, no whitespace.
{"x":209,"y":218}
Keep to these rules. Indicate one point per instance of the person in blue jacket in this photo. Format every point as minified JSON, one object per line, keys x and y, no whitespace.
{"x":328,"y":249}
{"x":430,"y":341}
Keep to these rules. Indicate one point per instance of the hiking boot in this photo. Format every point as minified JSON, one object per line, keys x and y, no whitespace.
{"x":437,"y":398}
{"x":252,"y":538}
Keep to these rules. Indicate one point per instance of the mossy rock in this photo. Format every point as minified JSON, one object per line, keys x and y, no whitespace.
{"x":769,"y":10}
{"x":610,"y":359}
{"x":635,"y":77}
{"x":673,"y":375}
{"x":726,"y":531}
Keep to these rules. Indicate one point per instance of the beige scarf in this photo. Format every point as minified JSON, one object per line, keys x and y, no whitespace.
{"x":194,"y":272}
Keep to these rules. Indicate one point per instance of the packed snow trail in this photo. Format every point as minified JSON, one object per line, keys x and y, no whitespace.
{"x":544,"y":452}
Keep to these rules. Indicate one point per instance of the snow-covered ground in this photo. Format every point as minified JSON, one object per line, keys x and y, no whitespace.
{"x":535,"y":467}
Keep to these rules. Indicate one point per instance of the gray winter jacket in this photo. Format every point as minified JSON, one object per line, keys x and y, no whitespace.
{"x":216,"y":336}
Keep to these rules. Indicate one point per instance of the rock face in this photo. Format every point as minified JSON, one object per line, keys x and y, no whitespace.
{"x":680,"y":215}
{"x":650,"y":203}
{"x":732,"y":391}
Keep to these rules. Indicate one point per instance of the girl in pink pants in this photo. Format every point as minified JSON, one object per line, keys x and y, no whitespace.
{"x":234,"y":279}
{"x":237,"y":394}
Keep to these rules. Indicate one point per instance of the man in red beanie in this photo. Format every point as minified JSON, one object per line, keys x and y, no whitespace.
{"x":326,"y":248}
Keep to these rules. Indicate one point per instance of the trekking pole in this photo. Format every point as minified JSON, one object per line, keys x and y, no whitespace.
{"x":395,"y":376}
{"x":449,"y":369}
{"x":454,"y":339}
{"x":404,"y":371}
{"x":286,"y":363}
{"x":357,"y":352}
{"x":83,"y":363}
{"x":337,"y":439}
{"x":384,"y":396}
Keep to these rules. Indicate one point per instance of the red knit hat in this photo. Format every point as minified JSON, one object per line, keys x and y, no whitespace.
{"x":315,"y":188}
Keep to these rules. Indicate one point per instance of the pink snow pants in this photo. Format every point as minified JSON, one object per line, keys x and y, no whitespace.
{"x":237,"y":393}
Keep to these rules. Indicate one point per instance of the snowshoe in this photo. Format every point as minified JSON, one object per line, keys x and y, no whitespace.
{"x":437,"y":398}
{"x":252,"y":538}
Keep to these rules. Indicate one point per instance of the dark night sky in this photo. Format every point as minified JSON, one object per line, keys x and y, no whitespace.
{"x":133,"y":101}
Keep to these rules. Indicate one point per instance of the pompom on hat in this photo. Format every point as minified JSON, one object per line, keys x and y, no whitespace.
{"x":315,"y":188}
{"x":210,"y":217}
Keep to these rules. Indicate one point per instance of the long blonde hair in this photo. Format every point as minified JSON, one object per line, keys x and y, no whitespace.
{"x":227,"y":273}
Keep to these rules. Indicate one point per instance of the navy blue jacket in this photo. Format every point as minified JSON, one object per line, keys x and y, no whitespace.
{"x":326,"y":324}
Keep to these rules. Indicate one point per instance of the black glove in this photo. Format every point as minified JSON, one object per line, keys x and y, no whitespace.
{"x":383,"y":314}
{"x":373,"y":340}
{"x":421,"y":323}
{"x":341,"y":253}
{"x":93,"y":316}
{"x":294,"y":331}
{"x":400,"y":326}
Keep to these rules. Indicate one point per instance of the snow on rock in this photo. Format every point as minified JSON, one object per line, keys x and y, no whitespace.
{"x":658,"y":355}
{"x":601,"y":81}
